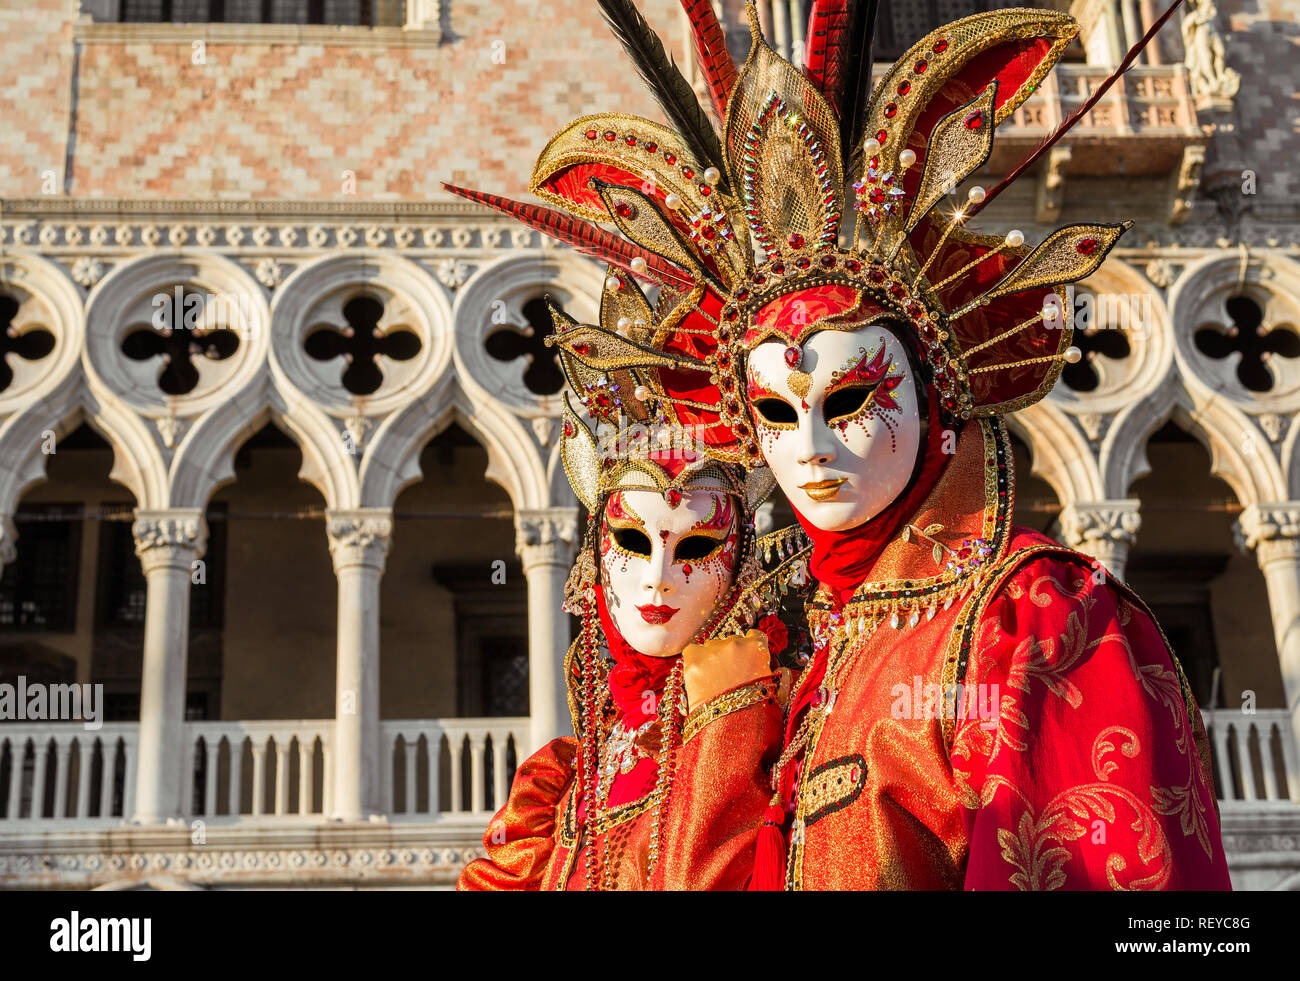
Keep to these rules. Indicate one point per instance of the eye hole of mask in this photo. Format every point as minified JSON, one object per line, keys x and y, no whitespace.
{"x":692,"y":548}
{"x":776,"y":411}
{"x":631,"y":540}
{"x":845,"y":402}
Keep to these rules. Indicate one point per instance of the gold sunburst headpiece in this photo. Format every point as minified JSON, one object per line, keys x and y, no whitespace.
{"x":837,"y":184}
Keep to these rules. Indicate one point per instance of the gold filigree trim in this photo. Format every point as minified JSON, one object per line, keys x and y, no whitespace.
{"x":736,"y":700}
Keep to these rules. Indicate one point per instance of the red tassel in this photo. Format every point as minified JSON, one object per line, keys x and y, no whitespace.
{"x":769,"y":856}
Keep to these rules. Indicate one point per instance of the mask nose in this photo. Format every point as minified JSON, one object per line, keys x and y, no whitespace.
{"x":816,"y":443}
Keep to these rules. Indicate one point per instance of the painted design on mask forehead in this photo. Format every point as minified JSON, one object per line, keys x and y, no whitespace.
{"x":719,"y":517}
{"x":619,"y":510}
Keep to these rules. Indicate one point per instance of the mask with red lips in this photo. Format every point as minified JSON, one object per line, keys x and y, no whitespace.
{"x":664,"y":568}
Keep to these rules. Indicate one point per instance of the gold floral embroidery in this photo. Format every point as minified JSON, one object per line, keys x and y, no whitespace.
{"x":1035,"y":848}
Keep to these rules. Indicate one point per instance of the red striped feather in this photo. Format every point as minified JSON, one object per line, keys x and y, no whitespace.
{"x":711,"y":53}
{"x":828,"y":25}
{"x":582,"y":235}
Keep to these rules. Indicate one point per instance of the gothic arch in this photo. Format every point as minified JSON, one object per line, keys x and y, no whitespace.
{"x":1239,"y":453}
{"x":1061,"y":454}
{"x":392,"y":461}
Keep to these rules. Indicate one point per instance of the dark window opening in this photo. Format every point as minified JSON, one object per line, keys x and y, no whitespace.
{"x":346,"y":13}
{"x":38,"y":590}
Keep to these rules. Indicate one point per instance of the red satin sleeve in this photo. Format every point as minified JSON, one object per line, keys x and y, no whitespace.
{"x":1092,"y":773}
{"x":719,"y":791}
{"x":520,"y":839}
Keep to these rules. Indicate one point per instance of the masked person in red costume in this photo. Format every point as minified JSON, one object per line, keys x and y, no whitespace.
{"x":982,"y":707}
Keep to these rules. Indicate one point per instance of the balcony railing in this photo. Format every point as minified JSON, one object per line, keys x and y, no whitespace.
{"x":61,"y":776}
{"x":1254,"y":756}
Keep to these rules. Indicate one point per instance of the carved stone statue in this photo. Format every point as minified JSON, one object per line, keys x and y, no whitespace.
{"x":1204,"y":57}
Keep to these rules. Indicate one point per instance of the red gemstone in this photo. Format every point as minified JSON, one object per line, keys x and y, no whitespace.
{"x":610,"y":135}
{"x":581,"y":348}
{"x":652,"y":146}
{"x":881,"y":136}
{"x":592,"y":134}
{"x":624,"y":210}
{"x":940,"y":46}
{"x":891,"y":110}
{"x":759,"y":279}
{"x":796,"y":240}
{"x":724,"y":361}
{"x":852,"y":265}
{"x":904,"y":87}
{"x":793,"y":357}
{"x":670,"y":158}
{"x":897,"y":290}
{"x":706,"y":190}
{"x":686,"y":568}
{"x":877,"y":195}
{"x":803,"y":262}
{"x":708,"y":233}
{"x":974,"y":119}
{"x":921,"y":66}
{"x":778,"y":268}
{"x":742,"y":294}
{"x":729,"y":314}
{"x":733,"y":406}
{"x":877,"y":275}
{"x":568,"y":429}
{"x":1087,"y":246}
{"x":674,"y":497}
{"x":828,"y":261}
{"x":630,"y":140}
{"x":727,"y":383}
{"x":751,"y":449}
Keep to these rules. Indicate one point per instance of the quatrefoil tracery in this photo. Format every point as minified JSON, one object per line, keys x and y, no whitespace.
{"x":361,"y":343}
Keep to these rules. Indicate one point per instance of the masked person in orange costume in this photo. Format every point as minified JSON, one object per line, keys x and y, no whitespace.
{"x":983,"y":708}
{"x":670,"y":557}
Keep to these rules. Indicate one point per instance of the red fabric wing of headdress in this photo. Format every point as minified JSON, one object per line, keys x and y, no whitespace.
{"x":1013,"y":64}
{"x":705,"y":424}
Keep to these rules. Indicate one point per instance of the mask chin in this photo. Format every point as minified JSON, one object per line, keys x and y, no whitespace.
{"x":844,"y":432}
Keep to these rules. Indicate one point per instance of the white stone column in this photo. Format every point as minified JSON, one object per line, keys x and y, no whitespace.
{"x":545,"y":540}
{"x":1273,"y":531}
{"x":167,"y":542}
{"x":1105,"y":530}
{"x":359,"y":543}
{"x":8,"y":541}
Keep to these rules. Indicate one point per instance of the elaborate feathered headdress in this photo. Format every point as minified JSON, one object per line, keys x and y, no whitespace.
{"x":837,"y":186}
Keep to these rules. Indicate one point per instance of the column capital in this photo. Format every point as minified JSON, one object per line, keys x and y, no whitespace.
{"x":1103,"y":522}
{"x":1271,"y":529}
{"x":169,"y":536}
{"x":546,"y":536}
{"x":359,"y":536}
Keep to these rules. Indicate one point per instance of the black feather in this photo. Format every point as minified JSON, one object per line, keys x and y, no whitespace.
{"x":857,"y":85}
{"x":671,"y":90}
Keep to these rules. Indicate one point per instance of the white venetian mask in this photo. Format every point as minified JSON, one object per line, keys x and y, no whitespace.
{"x":839,"y":422}
{"x":665,"y":569}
